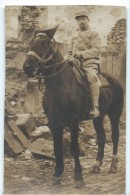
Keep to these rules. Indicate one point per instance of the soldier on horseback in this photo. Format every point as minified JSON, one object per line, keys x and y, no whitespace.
{"x":85,"y":46}
{"x":64,"y":99}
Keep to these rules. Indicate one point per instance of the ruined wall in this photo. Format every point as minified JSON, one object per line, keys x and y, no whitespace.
{"x":24,"y":18}
{"x":21,"y":23}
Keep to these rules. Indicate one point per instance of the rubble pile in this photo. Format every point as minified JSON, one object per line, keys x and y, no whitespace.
{"x":15,"y":93}
{"x":117,"y":37}
{"x":23,"y":134}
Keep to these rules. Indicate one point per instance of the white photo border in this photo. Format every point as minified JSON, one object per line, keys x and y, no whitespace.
{"x":3,"y":3}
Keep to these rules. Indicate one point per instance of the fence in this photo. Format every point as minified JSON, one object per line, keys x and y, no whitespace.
{"x":115,"y":63}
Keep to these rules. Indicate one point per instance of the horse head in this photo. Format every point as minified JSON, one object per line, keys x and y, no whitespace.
{"x":41,"y":52}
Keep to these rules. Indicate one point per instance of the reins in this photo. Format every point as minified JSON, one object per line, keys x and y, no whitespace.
{"x":40,"y":78}
{"x":53,"y":75}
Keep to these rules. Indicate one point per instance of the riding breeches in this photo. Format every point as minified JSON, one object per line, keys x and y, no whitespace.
{"x":91,"y":71}
{"x":92,"y":75}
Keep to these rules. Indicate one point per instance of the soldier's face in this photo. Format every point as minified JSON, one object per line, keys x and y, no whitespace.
{"x":82,"y":22}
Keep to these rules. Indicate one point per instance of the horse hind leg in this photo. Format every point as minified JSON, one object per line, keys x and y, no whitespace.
{"x":114,"y":113}
{"x":115,"y":139}
{"x":101,"y":138}
{"x":74,"y":130}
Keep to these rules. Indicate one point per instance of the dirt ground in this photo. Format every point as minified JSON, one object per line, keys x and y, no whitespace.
{"x":35,"y":176}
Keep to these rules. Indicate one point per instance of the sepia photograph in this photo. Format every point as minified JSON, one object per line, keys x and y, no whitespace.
{"x":65,"y":100}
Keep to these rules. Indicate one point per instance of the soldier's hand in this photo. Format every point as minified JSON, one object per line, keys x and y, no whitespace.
{"x":77,"y":55}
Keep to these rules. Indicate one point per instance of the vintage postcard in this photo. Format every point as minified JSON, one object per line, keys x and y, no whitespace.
{"x":65,"y":100}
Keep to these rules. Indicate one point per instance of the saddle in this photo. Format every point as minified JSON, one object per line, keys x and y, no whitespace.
{"x":81,"y":77}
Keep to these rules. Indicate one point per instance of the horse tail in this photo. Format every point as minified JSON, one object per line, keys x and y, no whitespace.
{"x":117,"y":90}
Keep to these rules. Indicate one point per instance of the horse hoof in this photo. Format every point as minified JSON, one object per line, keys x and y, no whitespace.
{"x":56,"y":181}
{"x":95,"y":169}
{"x":113,"y":167}
{"x":78,"y":184}
{"x":113,"y":170}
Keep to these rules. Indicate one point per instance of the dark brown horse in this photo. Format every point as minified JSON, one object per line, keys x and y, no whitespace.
{"x":66,"y":102}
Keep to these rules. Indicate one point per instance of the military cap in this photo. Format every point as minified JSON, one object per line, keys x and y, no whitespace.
{"x":80,"y":14}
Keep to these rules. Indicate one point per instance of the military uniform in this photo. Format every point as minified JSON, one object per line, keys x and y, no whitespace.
{"x":88,"y":43}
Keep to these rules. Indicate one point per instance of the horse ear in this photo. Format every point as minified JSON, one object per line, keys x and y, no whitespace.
{"x":50,"y":32}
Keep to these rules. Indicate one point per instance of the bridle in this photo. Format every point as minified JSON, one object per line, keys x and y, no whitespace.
{"x":44,"y":60}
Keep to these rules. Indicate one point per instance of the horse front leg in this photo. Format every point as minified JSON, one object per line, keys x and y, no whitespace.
{"x":78,"y":178}
{"x":57,"y":132}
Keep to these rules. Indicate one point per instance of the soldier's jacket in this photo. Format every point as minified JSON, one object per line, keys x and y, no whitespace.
{"x":88,"y":43}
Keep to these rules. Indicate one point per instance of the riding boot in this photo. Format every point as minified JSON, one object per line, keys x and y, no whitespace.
{"x":94,"y":92}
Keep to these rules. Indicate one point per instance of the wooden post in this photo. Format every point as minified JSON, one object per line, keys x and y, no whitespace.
{"x":32,"y":101}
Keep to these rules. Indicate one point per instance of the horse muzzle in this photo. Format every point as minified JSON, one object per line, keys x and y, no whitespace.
{"x":30,"y":70}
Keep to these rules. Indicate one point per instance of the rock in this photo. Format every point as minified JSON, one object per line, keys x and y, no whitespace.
{"x":86,"y":137}
{"x":45,"y":146}
{"x":123,"y":124}
{"x":66,"y":143}
{"x":82,"y":148}
{"x":41,"y":132}
{"x":26,"y":123}
{"x":13,"y":103}
{"x":8,"y":159}
{"x":48,"y":163}
{"x":27,"y":154}
{"x":92,"y":142}
{"x":81,"y":130}
{"x":12,"y":146}
{"x":27,"y":179}
{"x":108,"y":137}
{"x":41,"y":120}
